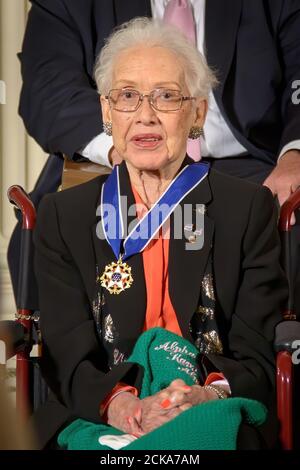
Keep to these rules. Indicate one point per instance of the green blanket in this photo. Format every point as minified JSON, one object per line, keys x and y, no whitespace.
{"x":211,"y":426}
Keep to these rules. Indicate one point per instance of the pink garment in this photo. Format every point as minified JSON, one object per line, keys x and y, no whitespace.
{"x":179,"y":13}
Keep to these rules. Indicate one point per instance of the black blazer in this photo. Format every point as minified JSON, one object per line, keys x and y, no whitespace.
{"x":253,"y":46}
{"x":240,"y":225}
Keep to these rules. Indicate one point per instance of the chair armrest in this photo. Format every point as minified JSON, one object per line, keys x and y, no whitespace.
{"x":13,"y":339}
{"x":285,"y":334}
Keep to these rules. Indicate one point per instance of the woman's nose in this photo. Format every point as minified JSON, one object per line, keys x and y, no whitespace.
{"x":145,"y":113}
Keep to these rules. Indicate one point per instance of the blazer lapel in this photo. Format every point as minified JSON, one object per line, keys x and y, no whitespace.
{"x":186,"y":267}
{"x":221,"y":23}
{"x":129,"y":307}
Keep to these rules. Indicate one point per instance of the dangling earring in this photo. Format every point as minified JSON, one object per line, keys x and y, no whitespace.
{"x":195,"y":132}
{"x":107,"y":128}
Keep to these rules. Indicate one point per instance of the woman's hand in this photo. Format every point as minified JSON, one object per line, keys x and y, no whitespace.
{"x":154,"y":414}
{"x":170,"y":402}
{"x":134,"y":416}
{"x":178,"y":397}
{"x":124,"y":413}
{"x":184,"y":396}
{"x":165,"y":405}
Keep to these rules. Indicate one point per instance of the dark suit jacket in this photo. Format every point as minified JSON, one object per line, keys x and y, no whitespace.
{"x":240,"y":224}
{"x":253,"y":46}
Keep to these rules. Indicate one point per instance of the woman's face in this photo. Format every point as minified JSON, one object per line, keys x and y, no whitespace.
{"x":149,"y":139}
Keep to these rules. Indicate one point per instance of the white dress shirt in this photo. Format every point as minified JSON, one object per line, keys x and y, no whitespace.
{"x":218,"y":141}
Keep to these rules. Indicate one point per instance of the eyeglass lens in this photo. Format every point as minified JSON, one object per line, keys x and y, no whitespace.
{"x":160,"y":99}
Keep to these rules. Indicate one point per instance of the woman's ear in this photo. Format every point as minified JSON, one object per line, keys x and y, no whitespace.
{"x":106,"y":113}
{"x":201,"y":110}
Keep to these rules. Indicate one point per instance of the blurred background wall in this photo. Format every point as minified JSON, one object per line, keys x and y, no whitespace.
{"x":21,"y":159}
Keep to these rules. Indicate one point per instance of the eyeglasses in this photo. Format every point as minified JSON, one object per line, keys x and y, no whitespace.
{"x":161,"y":99}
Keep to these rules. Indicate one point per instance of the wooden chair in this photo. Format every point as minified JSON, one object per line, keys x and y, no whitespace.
{"x":75,"y":173}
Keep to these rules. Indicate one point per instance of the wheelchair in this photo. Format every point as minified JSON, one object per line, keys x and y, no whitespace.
{"x":22,"y":336}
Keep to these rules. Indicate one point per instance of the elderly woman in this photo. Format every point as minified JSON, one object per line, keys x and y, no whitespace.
{"x":114,"y":259}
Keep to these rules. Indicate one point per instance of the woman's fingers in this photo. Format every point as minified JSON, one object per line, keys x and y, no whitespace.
{"x":175,"y":394}
{"x":175,"y":398}
{"x":185,"y":407}
{"x":178,"y":398}
{"x":153,"y":419}
{"x":179,"y":384}
{"x":134,"y":427}
{"x":138,"y":414}
{"x":124,"y":413}
{"x":135,"y":416}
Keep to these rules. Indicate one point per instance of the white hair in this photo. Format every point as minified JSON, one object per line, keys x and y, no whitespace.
{"x":199,"y":78}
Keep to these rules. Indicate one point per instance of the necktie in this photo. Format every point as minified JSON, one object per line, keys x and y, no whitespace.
{"x":179,"y":13}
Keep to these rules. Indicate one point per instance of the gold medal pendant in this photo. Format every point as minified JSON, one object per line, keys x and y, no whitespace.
{"x":116,"y":277}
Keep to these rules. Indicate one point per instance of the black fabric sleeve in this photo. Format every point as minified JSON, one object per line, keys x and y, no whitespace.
{"x":73,"y":361}
{"x":289,"y":51}
{"x":259,"y":304}
{"x":59,"y":102}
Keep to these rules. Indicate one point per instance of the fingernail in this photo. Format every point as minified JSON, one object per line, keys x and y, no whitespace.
{"x":129,"y":419}
{"x":165,"y":403}
{"x":187,"y":388}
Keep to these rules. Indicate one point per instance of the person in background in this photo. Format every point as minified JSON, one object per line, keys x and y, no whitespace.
{"x":252,"y":125}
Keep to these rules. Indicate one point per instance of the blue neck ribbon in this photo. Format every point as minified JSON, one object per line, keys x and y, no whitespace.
{"x":146,"y":228}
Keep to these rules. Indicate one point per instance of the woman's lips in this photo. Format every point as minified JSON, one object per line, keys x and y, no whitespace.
{"x":146,"y":140}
